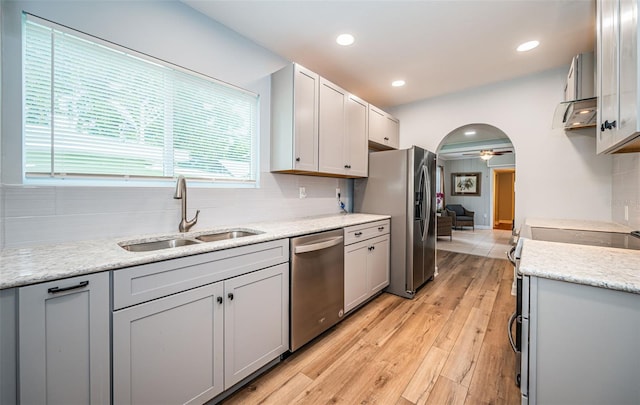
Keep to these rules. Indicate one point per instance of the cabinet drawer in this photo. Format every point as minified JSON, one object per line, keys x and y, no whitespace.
{"x":361,"y":232}
{"x":150,"y":281}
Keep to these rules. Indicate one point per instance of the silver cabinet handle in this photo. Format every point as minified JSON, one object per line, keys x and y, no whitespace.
{"x":312,"y":247}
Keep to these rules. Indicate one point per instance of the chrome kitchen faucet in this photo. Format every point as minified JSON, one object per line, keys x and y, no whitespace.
{"x":181,"y":194}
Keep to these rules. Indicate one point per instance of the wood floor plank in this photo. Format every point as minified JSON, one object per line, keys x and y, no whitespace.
{"x":447,"y":392}
{"x":446,"y":346}
{"x":463,"y":357}
{"x":493,"y":384}
{"x":288,"y":391}
{"x":326,"y":387}
{"x":400,"y":357}
{"x":425,"y":377}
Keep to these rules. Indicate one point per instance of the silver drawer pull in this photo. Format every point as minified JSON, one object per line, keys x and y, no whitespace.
{"x":55,"y":290}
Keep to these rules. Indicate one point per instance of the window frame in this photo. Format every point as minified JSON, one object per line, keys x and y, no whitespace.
{"x":134,"y":180}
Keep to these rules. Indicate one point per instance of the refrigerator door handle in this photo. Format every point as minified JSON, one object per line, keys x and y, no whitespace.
{"x":426,"y":192}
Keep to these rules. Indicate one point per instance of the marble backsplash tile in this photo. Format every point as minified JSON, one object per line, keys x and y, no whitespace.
{"x":626,"y":189}
{"x":42,"y":215}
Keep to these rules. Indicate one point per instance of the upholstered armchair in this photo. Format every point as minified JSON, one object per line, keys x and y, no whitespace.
{"x":460,"y":216}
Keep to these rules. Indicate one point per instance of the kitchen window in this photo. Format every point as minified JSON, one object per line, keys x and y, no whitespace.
{"x":95,"y":110}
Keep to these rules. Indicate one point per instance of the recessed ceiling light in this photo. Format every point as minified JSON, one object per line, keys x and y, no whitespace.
{"x":527,"y":46}
{"x":469,"y":133}
{"x":345,"y":39}
{"x":398,"y":83}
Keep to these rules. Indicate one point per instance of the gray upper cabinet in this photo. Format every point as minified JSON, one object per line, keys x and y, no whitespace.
{"x":356,"y":141}
{"x":63,"y":338}
{"x":617,"y":76}
{"x":316,"y":126}
{"x":384,"y":130}
{"x":342,"y":132}
{"x":294,"y":120}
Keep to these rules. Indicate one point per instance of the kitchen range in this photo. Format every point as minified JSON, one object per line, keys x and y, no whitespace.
{"x":577,"y":312}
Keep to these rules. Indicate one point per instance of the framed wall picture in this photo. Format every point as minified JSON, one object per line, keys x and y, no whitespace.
{"x":465,"y":184}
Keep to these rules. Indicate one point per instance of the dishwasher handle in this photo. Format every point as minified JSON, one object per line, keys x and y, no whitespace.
{"x":312,"y":247}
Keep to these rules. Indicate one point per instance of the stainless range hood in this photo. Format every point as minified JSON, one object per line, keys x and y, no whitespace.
{"x":579,"y":110}
{"x":576,"y":114}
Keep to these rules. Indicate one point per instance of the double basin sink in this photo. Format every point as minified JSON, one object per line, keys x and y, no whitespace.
{"x":186,"y":241}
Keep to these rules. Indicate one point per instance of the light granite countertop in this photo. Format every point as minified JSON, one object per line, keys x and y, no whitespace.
{"x":24,"y":266}
{"x":577,"y":224}
{"x":612,"y":268}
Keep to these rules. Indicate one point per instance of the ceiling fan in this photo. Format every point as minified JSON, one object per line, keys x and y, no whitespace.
{"x":487,"y":154}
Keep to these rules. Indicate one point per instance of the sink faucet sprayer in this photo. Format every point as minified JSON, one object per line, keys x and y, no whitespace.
{"x":181,"y":194}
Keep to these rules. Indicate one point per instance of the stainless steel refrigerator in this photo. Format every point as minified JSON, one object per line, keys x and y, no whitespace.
{"x":401,"y":183}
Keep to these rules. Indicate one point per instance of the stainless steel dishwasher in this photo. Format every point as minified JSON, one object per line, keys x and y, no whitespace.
{"x":317,"y":285}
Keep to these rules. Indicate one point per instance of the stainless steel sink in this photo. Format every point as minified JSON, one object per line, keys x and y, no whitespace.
{"x":159,"y":245}
{"x":177,"y":242}
{"x":233,"y":234}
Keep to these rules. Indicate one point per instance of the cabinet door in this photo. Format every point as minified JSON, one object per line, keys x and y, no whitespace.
{"x":392,"y":137}
{"x":169,"y":351}
{"x":628,"y":65}
{"x":356,"y":290}
{"x":256,"y":321}
{"x":64,"y":341}
{"x":331,"y":128}
{"x":378,"y":264}
{"x":356,"y":138}
{"x":607,"y":70}
{"x":306,"y":87}
{"x":377,"y":125}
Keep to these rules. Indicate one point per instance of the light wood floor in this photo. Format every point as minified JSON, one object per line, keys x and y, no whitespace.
{"x":446,"y":346}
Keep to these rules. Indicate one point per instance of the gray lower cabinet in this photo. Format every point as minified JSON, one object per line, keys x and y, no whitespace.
{"x":189,"y":345}
{"x":579,"y":344}
{"x":63,"y":338}
{"x":170,"y":350}
{"x":366,"y":263}
{"x":256,"y":321}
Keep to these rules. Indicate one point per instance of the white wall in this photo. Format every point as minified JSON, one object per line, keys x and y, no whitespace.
{"x":557,"y":175}
{"x":171,"y":31}
{"x":626,"y":189}
{"x":480,"y":205}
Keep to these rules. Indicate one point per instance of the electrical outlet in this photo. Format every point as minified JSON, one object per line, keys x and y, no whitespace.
{"x":303,"y":192}
{"x":626,"y":212}
{"x":337,"y":193}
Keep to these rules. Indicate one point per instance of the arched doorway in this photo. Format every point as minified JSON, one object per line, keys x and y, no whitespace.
{"x":483,"y":152}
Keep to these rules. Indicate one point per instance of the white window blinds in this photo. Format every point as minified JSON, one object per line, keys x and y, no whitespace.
{"x":96,"y":109}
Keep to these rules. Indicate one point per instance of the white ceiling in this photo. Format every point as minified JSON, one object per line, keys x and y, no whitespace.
{"x":437,"y":47}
